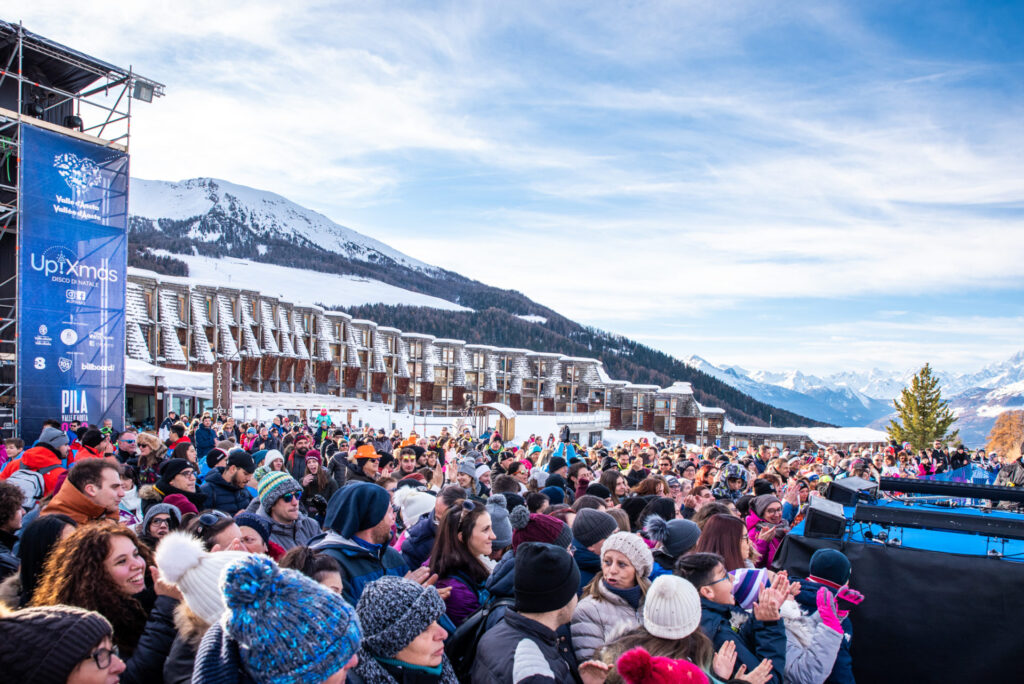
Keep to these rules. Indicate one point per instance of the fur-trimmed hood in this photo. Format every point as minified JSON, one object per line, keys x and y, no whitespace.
{"x":10,"y":591}
{"x":191,"y":628}
{"x":149,"y":493}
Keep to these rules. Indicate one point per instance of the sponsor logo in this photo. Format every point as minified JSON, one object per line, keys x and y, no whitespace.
{"x":60,"y":264}
{"x":97,"y":367}
{"x":73,"y":401}
{"x":43,"y":330}
{"x":75,"y":295}
{"x":64,"y":364}
{"x":39,"y":363}
{"x":68,"y":336}
{"x":80,"y":173}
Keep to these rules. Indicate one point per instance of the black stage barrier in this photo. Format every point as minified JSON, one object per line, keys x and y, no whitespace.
{"x":927,"y":616}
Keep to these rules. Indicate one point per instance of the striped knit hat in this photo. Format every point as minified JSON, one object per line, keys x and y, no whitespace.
{"x":273,"y":486}
{"x":746,"y":585}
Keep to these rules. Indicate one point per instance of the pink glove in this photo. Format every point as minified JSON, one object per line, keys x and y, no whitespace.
{"x":827,"y":610}
{"x":847,"y":598}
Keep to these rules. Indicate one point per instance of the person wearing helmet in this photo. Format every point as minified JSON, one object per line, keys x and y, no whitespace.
{"x":732,"y":483}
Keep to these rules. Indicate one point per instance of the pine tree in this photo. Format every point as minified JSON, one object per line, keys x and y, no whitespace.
{"x":1007,"y":435}
{"x":923,"y":416}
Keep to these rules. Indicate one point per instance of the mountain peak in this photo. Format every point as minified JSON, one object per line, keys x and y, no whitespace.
{"x":212,"y":210}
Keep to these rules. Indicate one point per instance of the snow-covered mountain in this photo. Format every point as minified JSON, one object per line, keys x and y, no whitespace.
{"x":794,"y":391}
{"x":852,"y":398}
{"x":216,"y":211}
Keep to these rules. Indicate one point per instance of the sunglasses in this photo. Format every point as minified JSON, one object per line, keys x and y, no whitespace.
{"x":211,"y":518}
{"x":410,"y":459}
{"x":127,"y":441}
{"x":292,"y":496}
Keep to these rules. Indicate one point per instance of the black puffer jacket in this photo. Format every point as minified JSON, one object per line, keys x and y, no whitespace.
{"x":521,"y":650}
{"x":222,"y":495}
{"x":146,"y":665}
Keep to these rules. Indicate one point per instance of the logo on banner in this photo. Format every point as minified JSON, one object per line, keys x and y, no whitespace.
{"x":64,"y":364}
{"x":87,"y":366}
{"x":42,"y":339}
{"x":68,"y":336}
{"x":40,"y":363}
{"x":80,"y":173}
{"x":62,"y":265}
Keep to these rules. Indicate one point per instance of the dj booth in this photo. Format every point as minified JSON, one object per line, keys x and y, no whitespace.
{"x":943,"y":583}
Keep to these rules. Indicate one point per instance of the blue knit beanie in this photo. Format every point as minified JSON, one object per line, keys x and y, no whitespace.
{"x":273,"y":486}
{"x":246,"y":519}
{"x":289,"y":628}
{"x":556,"y":495}
{"x":830,"y":565}
{"x":357,"y":506}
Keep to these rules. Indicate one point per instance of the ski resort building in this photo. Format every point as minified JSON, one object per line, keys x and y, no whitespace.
{"x":179,"y":329}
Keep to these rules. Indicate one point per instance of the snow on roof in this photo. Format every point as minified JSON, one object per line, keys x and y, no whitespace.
{"x":630,"y":387}
{"x":363,"y":322}
{"x":388,"y":330}
{"x":709,"y":409}
{"x":481,"y":347}
{"x":545,"y":355}
{"x":616,"y":437}
{"x":416,"y":336}
{"x":677,"y":388}
{"x":141,"y":373}
{"x":760,"y":430}
{"x":338,"y":314}
{"x":450,"y":342}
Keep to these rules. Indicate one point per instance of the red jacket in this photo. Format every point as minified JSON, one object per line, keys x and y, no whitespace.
{"x":35,"y":458}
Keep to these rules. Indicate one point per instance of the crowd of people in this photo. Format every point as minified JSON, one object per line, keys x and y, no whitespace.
{"x":216,"y":551}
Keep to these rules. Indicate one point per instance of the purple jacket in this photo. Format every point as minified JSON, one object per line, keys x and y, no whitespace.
{"x":463,"y":601}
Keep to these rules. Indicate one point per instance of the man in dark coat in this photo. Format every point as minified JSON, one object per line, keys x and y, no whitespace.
{"x":225,"y":488}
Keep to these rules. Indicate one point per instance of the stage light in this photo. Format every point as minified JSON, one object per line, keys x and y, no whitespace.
{"x":34,"y":109}
{"x":143,"y":91}
{"x":73,"y":121}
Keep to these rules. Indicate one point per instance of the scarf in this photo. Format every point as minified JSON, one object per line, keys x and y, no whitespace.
{"x":631,"y":596}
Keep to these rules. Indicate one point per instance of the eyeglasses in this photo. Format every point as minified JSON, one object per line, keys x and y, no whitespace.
{"x":165,"y":522}
{"x":720,"y":579}
{"x":188,"y":473}
{"x":287,"y":498}
{"x":102,"y":656}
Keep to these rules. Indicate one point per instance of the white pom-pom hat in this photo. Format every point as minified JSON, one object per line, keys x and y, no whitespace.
{"x":184,"y":562}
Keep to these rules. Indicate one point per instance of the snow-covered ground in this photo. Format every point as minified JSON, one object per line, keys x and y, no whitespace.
{"x":297,"y":285}
{"x":532,"y":318}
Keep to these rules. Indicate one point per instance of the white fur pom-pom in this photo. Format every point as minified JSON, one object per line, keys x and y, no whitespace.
{"x":176,"y":554}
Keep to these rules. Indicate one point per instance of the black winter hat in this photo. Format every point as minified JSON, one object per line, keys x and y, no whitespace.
{"x":172,"y":467}
{"x":592,"y":526}
{"x":215,"y":456}
{"x":92,"y":438}
{"x":556,"y":463}
{"x":599,"y":490}
{"x":831,"y":565}
{"x":541,"y":591}
{"x":46,"y":644}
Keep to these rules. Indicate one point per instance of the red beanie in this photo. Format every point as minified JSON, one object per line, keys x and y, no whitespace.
{"x":637,"y":666}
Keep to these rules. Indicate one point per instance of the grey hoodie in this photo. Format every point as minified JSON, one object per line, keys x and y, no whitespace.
{"x":288,"y":536}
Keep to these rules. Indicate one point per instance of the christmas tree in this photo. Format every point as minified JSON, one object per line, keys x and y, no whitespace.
{"x":923,"y":416}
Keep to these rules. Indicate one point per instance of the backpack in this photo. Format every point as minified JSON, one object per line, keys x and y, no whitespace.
{"x":461,"y":645}
{"x":31,"y":483}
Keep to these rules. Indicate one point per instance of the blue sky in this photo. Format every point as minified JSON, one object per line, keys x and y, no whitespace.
{"x":823,"y":186}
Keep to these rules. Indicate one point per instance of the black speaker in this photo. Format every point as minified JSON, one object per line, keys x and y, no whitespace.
{"x":824,"y":518}
{"x":849,"y":490}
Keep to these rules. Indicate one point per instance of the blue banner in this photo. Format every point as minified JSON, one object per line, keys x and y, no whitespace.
{"x":72,"y":262}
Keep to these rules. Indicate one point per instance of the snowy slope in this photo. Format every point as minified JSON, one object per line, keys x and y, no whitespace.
{"x":300,"y":286}
{"x":209,"y":210}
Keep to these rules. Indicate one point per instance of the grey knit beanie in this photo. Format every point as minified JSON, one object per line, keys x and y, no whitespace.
{"x":46,"y":644}
{"x":54,"y":437}
{"x":676,"y":536}
{"x":500,"y":525}
{"x":632,"y":547}
{"x":592,"y":526}
{"x":393,"y":611}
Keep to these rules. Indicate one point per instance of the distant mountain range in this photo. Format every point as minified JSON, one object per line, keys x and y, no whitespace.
{"x":865,"y":398}
{"x":223,"y":233}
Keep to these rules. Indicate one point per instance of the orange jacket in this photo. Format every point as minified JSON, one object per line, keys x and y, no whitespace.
{"x":77,"y":506}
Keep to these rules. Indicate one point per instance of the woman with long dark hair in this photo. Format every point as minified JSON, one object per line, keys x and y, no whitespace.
{"x":463,"y":541}
{"x":316,"y":481}
{"x":102,"y":567}
{"x":37,"y":541}
{"x":616,"y":484}
{"x":726,"y":535}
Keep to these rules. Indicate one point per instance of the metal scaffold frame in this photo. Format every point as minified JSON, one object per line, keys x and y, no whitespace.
{"x":100,"y":106}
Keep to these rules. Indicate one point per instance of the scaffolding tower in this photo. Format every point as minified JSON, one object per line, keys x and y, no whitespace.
{"x":46,"y":84}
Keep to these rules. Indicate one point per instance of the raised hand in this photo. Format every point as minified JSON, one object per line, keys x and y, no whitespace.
{"x":725,"y":660}
{"x":762,"y":674}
